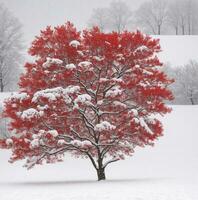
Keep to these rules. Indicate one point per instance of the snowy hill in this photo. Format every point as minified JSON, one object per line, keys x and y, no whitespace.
{"x":173,"y":50}
{"x":167,"y":171}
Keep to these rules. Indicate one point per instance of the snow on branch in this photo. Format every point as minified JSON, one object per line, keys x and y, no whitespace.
{"x":9,"y":141}
{"x":30,"y":113}
{"x":113,"y":92}
{"x":51,"y":94}
{"x":85,"y":64}
{"x":54,"y":93}
{"x":18,"y":96}
{"x":31,"y":161}
{"x":71,"y":89}
{"x":145,"y":125}
{"x":110,"y":161}
{"x":70,"y":66}
{"x":120,"y":104}
{"x":74,"y":43}
{"x":141,"y":48}
{"x":80,"y":143}
{"x":52,"y":61}
{"x":104,"y":126}
{"x":84,"y":99}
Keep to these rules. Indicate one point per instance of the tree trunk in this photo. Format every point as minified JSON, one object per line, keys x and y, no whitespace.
{"x":183,"y":30}
{"x":176,"y":30}
{"x":191,"y":98}
{"x":159,"y":30}
{"x":101,"y":168}
{"x":189,"y":28}
{"x":101,"y":174}
{"x":1,"y":83}
{"x":192,"y":101}
{"x":2,"y":88}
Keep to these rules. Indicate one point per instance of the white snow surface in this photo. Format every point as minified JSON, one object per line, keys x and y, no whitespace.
{"x":167,"y":171}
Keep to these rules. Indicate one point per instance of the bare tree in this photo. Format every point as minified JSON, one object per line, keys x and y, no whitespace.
{"x":116,"y":17}
{"x":10,"y":49}
{"x":174,"y":17}
{"x":188,"y":81}
{"x":99,"y":18}
{"x":185,"y":87}
{"x":177,"y":16}
{"x":191,"y":8}
{"x":183,"y":15}
{"x":119,"y":16}
{"x":152,"y":15}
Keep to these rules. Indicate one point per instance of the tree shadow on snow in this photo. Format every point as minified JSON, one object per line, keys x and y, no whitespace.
{"x":83,"y":182}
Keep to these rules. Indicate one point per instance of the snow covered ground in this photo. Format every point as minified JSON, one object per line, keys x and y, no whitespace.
{"x":167,"y":171}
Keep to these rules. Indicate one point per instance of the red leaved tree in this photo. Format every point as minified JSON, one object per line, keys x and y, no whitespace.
{"x":92,"y":94}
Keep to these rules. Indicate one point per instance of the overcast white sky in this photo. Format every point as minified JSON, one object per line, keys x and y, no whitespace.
{"x":37,"y":14}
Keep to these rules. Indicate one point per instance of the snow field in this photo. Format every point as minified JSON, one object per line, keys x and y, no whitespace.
{"x":167,"y":171}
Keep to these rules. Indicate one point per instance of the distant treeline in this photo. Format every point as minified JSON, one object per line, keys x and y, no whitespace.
{"x":185,"y":86}
{"x":157,"y":17}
